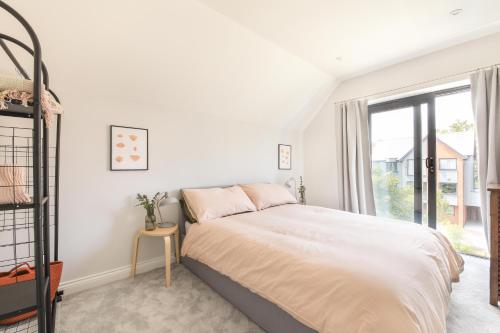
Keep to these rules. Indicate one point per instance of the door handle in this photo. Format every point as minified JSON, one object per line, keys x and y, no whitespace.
{"x":429,"y":164}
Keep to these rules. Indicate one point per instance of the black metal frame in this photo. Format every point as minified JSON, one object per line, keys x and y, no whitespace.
{"x":415,"y":102}
{"x":19,"y":298}
{"x":111,"y":148}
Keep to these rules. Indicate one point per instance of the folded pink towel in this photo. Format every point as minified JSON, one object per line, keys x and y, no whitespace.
{"x":13,"y":185}
{"x":12,"y":88}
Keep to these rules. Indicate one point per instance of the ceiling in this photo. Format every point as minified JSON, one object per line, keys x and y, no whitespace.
{"x":272,"y":62}
{"x":168,"y":55}
{"x":346,"y":38}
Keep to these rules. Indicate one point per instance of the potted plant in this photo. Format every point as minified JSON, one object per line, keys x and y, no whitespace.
{"x":302,"y":192}
{"x":149,"y":205}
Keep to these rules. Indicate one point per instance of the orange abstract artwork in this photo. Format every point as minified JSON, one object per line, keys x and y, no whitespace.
{"x":284,"y":157}
{"x":129,"y":148}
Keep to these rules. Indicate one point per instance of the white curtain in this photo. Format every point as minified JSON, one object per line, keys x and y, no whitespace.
{"x":354,"y":162}
{"x":485,"y":87}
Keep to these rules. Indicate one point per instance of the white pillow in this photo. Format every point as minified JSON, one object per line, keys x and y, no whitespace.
{"x":268,"y":195}
{"x":211,"y":203}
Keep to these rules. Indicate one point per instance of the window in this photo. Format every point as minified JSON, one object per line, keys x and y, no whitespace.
{"x":391,"y":166}
{"x":409,"y":168}
{"x":448,"y":188}
{"x":448,"y":164}
{"x":450,"y":210}
{"x":476,"y":176}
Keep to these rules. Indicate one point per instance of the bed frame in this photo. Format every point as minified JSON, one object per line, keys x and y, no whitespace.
{"x":264,"y":313}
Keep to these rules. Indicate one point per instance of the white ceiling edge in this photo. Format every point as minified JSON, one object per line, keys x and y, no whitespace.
{"x":250,"y":30}
{"x":307,"y":117}
{"x":302,"y":122}
{"x":478,"y":33}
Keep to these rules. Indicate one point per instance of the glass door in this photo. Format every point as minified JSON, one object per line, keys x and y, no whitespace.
{"x":397,"y":129}
{"x":424,"y":166}
{"x":457,"y":187}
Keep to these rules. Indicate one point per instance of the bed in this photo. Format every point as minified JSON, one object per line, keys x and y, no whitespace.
{"x":295,"y":268}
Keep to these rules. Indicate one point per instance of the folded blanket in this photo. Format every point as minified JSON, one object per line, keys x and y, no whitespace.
{"x":16,"y":83}
{"x":13,"y":88}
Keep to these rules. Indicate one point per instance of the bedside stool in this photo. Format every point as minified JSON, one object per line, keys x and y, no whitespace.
{"x":158,"y":232}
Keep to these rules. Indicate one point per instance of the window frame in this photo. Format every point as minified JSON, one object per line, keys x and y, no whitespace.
{"x":453,"y":212}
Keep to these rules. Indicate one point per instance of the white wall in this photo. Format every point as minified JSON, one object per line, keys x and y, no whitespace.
{"x":98,"y":217}
{"x":216,"y":98}
{"x":97,"y":208}
{"x":320,"y":169}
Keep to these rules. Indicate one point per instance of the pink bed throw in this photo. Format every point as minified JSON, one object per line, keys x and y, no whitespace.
{"x":335,"y":271}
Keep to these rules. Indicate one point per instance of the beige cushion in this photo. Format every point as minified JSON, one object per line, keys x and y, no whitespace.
{"x":13,"y":185}
{"x":212,"y":203}
{"x":268,"y":195}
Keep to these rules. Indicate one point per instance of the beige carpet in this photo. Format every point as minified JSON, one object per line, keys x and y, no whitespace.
{"x":144,"y":305}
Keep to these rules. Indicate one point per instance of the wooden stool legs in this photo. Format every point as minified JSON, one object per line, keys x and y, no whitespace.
{"x":167,"y":261}
{"x":134,"y":255}
{"x":177,"y":247}
{"x":168,"y":245}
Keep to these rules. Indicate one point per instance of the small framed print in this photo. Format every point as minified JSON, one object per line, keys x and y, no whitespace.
{"x":128,"y":148}
{"x":284,"y":157}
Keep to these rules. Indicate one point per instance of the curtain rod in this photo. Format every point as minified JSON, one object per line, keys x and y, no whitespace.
{"x":400,"y":89}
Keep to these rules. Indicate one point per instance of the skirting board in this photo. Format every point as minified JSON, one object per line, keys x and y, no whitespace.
{"x":116,"y":274}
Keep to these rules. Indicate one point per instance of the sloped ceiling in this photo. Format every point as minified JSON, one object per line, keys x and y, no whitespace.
{"x":176,"y":55}
{"x":265,"y":61}
{"x":365,"y":34}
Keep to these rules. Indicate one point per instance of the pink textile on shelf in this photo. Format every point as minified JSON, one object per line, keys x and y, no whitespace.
{"x":48,"y":102}
{"x":12,"y":185}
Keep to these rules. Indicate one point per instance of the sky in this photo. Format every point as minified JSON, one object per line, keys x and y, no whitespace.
{"x":399,"y":123}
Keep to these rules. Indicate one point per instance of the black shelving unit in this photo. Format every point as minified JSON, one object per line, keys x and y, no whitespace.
{"x":29,"y":230}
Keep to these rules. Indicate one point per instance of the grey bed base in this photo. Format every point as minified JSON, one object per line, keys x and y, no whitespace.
{"x":264,"y":313}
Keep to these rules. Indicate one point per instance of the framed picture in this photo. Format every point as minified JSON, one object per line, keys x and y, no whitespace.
{"x":128,"y":148}
{"x":284,"y":157}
